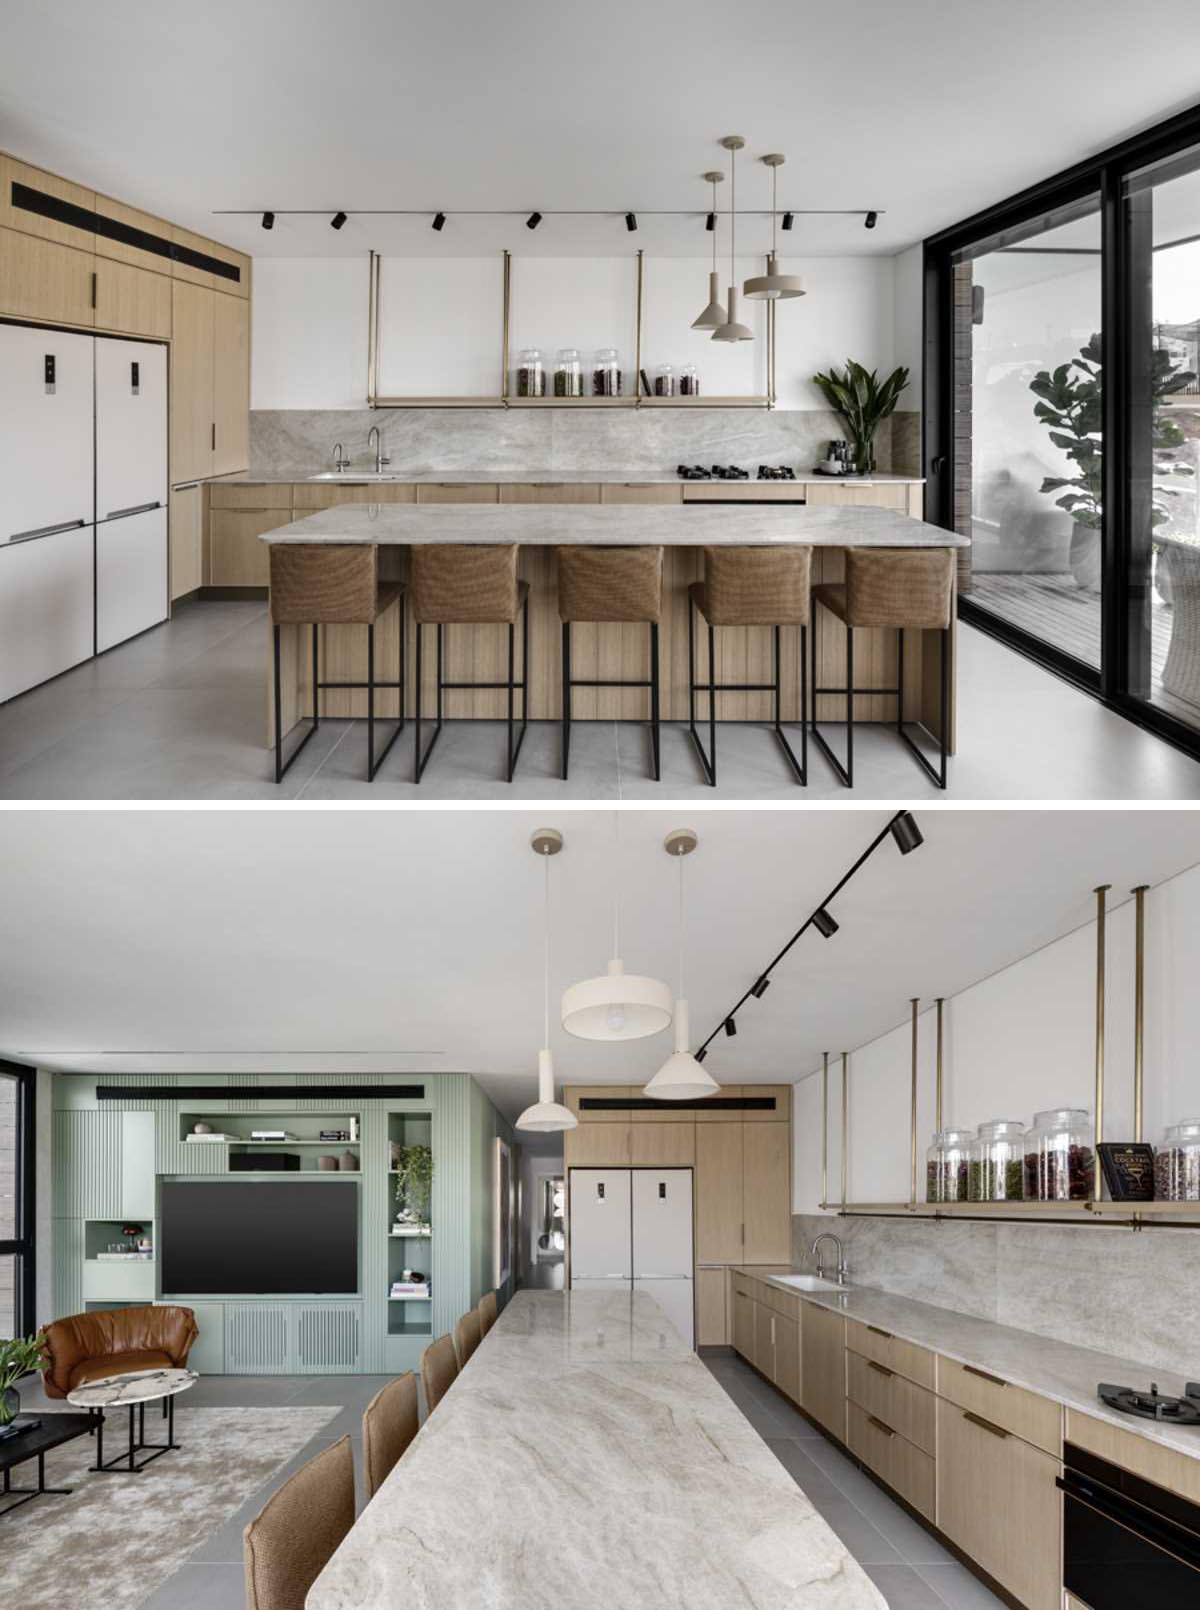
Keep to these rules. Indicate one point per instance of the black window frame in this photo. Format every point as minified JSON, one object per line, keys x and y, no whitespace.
{"x":1124,"y":591}
{"x":24,"y":1245}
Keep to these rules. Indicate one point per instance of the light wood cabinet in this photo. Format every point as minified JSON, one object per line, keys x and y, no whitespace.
{"x":451,"y":492}
{"x":120,"y":251}
{"x":527,"y":492}
{"x":236,"y":557}
{"x":787,"y":1356}
{"x":40,"y":279}
{"x":997,"y":1501}
{"x":598,"y":1146}
{"x":1025,"y":1414}
{"x":900,"y":1357}
{"x":764,"y":1339}
{"x":663,"y":1145}
{"x":902,"y":1405}
{"x":1153,"y":1461}
{"x":712,"y":1317}
{"x":885,"y":495}
{"x":13,"y":216}
{"x":907,"y":1469}
{"x":767,"y":1196}
{"x":719,"y":1193}
{"x":324,"y":495}
{"x":573,"y":1095}
{"x":132,"y":300}
{"x":231,"y":383}
{"x":253,"y":495}
{"x":823,"y":1368}
{"x":192,"y":373}
{"x":744,"y":1318}
{"x":780,"y":1109}
{"x":187,"y":540}
{"x":630,"y":492}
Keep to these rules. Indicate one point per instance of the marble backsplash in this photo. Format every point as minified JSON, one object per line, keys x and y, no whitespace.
{"x":1133,"y":1293}
{"x":425,"y":440}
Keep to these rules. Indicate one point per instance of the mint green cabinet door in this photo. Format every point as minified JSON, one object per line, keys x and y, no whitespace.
{"x":137,"y":1165}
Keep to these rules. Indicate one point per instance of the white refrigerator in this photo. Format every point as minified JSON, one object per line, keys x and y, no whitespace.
{"x":631,"y":1229}
{"x":131,"y":489}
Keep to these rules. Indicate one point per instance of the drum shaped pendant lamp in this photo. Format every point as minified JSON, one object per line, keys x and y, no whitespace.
{"x":773,"y":286}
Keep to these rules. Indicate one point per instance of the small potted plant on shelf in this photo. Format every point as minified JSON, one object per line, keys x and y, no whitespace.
{"x":18,"y":1357}
{"x":864,"y":402}
{"x":414,"y":1185}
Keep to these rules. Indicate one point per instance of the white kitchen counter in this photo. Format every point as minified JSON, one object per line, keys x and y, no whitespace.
{"x":362,"y":475}
{"x":586,"y":1460}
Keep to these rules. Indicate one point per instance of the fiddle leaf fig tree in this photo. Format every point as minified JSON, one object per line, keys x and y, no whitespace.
{"x":864,"y":402}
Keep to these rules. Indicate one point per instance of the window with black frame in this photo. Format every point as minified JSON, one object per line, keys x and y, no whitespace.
{"x":16,"y":1200}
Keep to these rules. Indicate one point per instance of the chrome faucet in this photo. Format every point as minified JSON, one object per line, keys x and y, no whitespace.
{"x":842,"y":1270}
{"x":380,"y":460}
{"x":340,"y":461}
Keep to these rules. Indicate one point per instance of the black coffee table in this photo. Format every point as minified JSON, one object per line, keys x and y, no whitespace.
{"x":40,"y":1434}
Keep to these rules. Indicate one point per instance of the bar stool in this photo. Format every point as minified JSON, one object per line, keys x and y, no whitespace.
{"x":333,"y":584}
{"x":897,"y":587}
{"x":470,"y":584}
{"x":749,"y":587}
{"x":602,"y":585}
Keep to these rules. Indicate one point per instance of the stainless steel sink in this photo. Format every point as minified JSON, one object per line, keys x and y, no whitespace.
{"x":808,"y":1283}
{"x":355,"y":477}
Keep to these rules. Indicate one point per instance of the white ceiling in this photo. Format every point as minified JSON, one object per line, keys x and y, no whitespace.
{"x":924,"y":110}
{"x":411,"y":941}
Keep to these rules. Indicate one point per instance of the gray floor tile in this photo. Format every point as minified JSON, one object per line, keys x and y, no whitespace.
{"x":958,"y":1588}
{"x":915,"y":1542}
{"x":866,"y":1542}
{"x":810,"y":1478}
{"x":903,"y":1588}
{"x":201,"y":1587}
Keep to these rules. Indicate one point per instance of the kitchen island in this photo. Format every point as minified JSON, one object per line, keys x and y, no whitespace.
{"x":586,"y":1458}
{"x":619,"y":651}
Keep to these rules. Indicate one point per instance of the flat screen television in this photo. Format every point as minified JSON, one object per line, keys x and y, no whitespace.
{"x":260,"y":1238}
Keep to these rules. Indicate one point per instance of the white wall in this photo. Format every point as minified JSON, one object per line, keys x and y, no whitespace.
{"x":441,"y":323}
{"x":1018,"y":1042}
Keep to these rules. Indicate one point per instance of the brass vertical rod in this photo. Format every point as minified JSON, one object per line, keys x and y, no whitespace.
{"x":938,"y":1098}
{"x":912,"y":1185}
{"x":824,"y":1128}
{"x":845,"y":1123}
{"x":372,"y":327}
{"x":1139,"y":1002}
{"x":637,"y":344}
{"x":504,"y":358}
{"x":1100,"y":892}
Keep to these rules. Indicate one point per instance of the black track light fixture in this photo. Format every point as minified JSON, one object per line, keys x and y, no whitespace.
{"x":907,"y":834}
{"x":759,"y":989}
{"x":533,"y":220}
{"x":268,"y":220}
{"x":825,"y":925}
{"x":631,"y":222}
{"x":701,"y":1054}
{"x":338,"y":219}
{"x":789,"y":218}
{"x":710,"y":222}
{"x":730,"y":1027}
{"x":871,"y":220}
{"x":439,"y":220}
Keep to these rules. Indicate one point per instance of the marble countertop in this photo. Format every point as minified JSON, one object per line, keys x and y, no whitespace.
{"x":1058,"y":1370}
{"x":674,"y":525}
{"x":586,"y":1458}
{"x":363,"y":474}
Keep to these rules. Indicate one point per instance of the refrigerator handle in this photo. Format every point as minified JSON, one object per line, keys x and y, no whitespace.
{"x":136,"y":508}
{"x":45,"y":531}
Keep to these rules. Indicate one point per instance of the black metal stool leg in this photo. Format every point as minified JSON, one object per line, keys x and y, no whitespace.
{"x":937,"y":774}
{"x":849,"y":707}
{"x":420,"y":633}
{"x":804,"y":701}
{"x":844,"y":773}
{"x":566,"y":697}
{"x":282,"y":767}
{"x":655,"y":707}
{"x":798,"y":767}
{"x":708,"y":764}
{"x":512,"y":634}
{"x":370,"y":701}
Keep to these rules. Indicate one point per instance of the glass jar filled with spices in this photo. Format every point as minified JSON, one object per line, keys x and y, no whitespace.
{"x":947,"y":1165}
{"x":664,"y":381}
{"x":995,"y":1171}
{"x":606,"y":373}
{"x":689,"y":381}
{"x":1060,"y":1162}
{"x":531,"y":375}
{"x":1177,"y":1163}
{"x":568,"y":373}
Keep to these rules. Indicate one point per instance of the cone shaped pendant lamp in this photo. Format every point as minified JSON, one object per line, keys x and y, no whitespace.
{"x":546,"y":1115}
{"x":681,"y":1077}
{"x":714,"y":314}
{"x":773,"y":286}
{"x":731,"y":330}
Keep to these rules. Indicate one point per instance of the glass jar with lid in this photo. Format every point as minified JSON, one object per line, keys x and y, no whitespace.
{"x":947,"y":1164}
{"x":689,"y":381}
{"x":568,"y":373}
{"x":531,"y":375}
{"x":995,"y":1171}
{"x":1177,"y":1163}
{"x":1060,"y":1161}
{"x":606,"y":373}
{"x":664,"y":381}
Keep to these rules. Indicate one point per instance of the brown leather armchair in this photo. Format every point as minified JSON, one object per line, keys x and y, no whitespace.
{"x":115,"y":1341}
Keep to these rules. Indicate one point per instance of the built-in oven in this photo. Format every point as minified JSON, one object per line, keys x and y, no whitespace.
{"x":1126,"y":1542}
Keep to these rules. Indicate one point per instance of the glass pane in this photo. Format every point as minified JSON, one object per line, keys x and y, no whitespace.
{"x":1163,"y":217}
{"x":8,"y":1296}
{"x":9,"y":1153}
{"x":1028,"y":444}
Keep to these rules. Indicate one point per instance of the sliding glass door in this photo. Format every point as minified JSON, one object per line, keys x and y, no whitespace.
{"x":16,"y":1200}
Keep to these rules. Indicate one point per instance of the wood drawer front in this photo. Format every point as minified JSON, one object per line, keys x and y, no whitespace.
{"x":783,"y":1302}
{"x":997,"y":1500}
{"x":531,"y":492}
{"x":247,"y":495}
{"x":902,"y":1358}
{"x":744,"y":1286}
{"x":1025,"y":1414}
{"x":451,"y":492}
{"x":907,"y":1469}
{"x":907,"y":1408}
{"x":323,"y":495}
{"x":741,"y":492}
{"x":1179,"y":1473}
{"x":631,"y":492}
{"x":236,"y":557}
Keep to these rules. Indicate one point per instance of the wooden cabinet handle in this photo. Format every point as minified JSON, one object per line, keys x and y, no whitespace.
{"x":985,"y":1425}
{"x":983,"y":1375}
{"x":880,"y":1369}
{"x":95,"y":278}
{"x":879,"y":1426}
{"x":876,"y":1330}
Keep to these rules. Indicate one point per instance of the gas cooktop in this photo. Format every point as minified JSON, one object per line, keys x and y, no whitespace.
{"x":1154,"y":1405}
{"x":734,"y":472}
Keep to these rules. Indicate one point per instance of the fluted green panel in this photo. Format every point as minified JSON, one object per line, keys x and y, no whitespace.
{"x":376,"y":1188}
{"x":68,"y":1267}
{"x":87,"y":1165}
{"x":451,"y":1202}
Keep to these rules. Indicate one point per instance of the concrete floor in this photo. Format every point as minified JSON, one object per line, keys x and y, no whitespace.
{"x":912,"y":1569}
{"x":179,"y":713}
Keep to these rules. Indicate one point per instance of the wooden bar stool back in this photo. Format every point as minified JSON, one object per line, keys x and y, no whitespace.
{"x":749,"y":587}
{"x":467,"y":1336}
{"x":439,"y":1371}
{"x":604,"y":585}
{"x":389,"y":1424}
{"x":902,"y":588}
{"x":487,"y":1312}
{"x":293,"y":1537}
{"x":474,"y":585}
{"x":332,"y":584}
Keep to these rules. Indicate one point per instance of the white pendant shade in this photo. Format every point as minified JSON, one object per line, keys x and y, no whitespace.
{"x":731,"y":330}
{"x":616,"y":1006}
{"x":714,"y":314}
{"x":773,"y":286}
{"x":681,"y":1077}
{"x":546,"y":1115}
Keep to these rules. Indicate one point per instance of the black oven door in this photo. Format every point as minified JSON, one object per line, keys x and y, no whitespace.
{"x":1118,"y":1552}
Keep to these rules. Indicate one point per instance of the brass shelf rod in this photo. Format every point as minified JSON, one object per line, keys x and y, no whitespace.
{"x":1139,"y":1001}
{"x":1100,"y":891}
{"x":912,"y":1185}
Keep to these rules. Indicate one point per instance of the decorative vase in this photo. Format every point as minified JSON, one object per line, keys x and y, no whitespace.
{"x":1084,"y":557}
{"x":327,"y":1163}
{"x":10,"y":1405}
{"x":863,"y":459}
{"x":349,"y":1162}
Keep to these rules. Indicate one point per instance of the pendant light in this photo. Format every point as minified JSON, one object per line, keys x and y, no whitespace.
{"x":731,"y":330}
{"x":617,"y":1005}
{"x":681,"y":1078}
{"x":546,"y":1115}
{"x":773,"y":286}
{"x":714,"y":314}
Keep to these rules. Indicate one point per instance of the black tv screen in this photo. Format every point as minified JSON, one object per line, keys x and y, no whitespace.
{"x":261,"y":1238}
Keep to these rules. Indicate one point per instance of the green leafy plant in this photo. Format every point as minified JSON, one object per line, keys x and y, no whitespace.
{"x":19,"y":1356}
{"x":414,"y":1180}
{"x":864,"y":402}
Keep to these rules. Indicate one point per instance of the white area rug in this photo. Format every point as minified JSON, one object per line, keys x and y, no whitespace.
{"x":117,"y":1537}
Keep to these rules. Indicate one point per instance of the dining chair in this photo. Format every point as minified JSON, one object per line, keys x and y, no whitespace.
{"x":390,"y":1423}
{"x":467,"y":1336}
{"x":292,"y":1538}
{"x":439,"y":1369}
{"x":487,"y":1312}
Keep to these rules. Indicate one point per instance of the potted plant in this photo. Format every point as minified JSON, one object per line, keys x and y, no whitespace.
{"x":18,"y":1357}
{"x":1070,"y":402}
{"x":414,"y":1184}
{"x":864,"y":402}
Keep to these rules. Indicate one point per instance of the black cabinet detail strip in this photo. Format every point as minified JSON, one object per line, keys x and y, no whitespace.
{"x":96,"y":223}
{"x":336,"y":1093}
{"x":648,"y":1104}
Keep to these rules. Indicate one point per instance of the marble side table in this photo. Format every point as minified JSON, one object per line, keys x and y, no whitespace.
{"x":133,"y":1391}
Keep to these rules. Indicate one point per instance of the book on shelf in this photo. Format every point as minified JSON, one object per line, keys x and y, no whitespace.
{"x":402,"y":1288}
{"x":210,"y":1136}
{"x":271,"y":1134}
